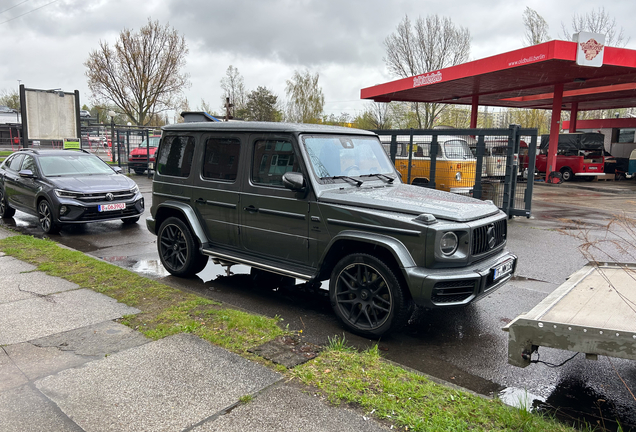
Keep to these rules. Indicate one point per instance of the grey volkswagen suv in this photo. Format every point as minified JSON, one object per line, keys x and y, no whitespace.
{"x":314,"y":203}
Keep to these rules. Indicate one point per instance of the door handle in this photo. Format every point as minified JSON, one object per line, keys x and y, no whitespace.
{"x":200,"y":201}
{"x":250,"y":209}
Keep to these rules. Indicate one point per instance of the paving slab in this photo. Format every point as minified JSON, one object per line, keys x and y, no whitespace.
{"x":23,"y":320}
{"x":167,"y":385}
{"x":21,"y":286}
{"x":31,"y":362}
{"x":287,"y":409}
{"x":10,"y":375}
{"x":100,"y":339}
{"x":25,"y":409}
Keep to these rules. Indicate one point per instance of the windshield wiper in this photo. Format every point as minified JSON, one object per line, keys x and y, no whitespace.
{"x":384,"y":177}
{"x":343,"y":177}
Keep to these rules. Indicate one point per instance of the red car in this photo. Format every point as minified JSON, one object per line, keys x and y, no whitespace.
{"x":139,"y":156}
{"x":579,"y":154}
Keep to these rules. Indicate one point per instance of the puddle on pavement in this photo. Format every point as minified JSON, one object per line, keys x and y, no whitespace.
{"x":519,"y":398}
{"x":154,"y":269}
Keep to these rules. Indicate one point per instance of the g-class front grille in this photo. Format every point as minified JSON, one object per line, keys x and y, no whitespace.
{"x":452,"y":291}
{"x":488,"y":237}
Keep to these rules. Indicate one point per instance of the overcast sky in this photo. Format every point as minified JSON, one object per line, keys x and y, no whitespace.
{"x":44,"y":43}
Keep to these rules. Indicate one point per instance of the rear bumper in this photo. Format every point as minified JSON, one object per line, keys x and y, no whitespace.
{"x":441,"y":288}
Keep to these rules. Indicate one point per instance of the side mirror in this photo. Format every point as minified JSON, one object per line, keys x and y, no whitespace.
{"x":26,"y":173}
{"x":294,"y":181}
{"x":117,"y":169}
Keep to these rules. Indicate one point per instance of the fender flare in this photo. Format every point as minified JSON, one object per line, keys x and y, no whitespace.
{"x":400,"y":252}
{"x":189,"y":216}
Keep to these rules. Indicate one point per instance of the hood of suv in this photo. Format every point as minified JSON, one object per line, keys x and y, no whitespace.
{"x":143,"y":151}
{"x":93,"y":183}
{"x":413,"y":200}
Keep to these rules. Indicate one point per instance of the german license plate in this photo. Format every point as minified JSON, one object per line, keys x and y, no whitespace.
{"x":593,"y":168}
{"x":111,"y":207}
{"x":502,"y":269}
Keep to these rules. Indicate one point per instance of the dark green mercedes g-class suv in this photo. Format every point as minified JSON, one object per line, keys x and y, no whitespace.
{"x":317,"y":202}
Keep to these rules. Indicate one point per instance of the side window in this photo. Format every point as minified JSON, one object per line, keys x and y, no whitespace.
{"x":175,"y":156}
{"x":29,"y":164}
{"x":16,"y":162}
{"x":272,"y":159}
{"x":220,"y":161}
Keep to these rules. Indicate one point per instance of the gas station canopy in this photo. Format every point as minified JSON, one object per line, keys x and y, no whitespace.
{"x":555,"y":75}
{"x":524,"y":78}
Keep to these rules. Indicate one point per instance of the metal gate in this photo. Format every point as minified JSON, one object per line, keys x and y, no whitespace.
{"x":488,"y":164}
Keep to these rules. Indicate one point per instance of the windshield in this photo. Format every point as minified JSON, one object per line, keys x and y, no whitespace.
{"x":457,"y":149}
{"x":154,"y":142}
{"x":333,"y":156}
{"x":73,"y":165}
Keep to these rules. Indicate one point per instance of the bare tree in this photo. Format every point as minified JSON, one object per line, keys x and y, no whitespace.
{"x":306,"y":101}
{"x":376,"y":115}
{"x":10,"y":99}
{"x":431,"y":44}
{"x":233,"y":86}
{"x":597,"y":21}
{"x":536,"y":28}
{"x":142,"y":74}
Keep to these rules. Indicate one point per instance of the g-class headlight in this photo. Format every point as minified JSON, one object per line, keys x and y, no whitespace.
{"x":448,"y":243}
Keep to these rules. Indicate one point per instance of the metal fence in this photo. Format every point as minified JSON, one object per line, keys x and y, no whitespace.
{"x":489,"y":164}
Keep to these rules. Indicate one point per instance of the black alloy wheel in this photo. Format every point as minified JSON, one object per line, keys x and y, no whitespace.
{"x":178,"y":251}
{"x":5,"y":210}
{"x":46,"y":220}
{"x":367,"y":296}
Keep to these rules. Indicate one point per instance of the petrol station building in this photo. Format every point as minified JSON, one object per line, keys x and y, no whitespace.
{"x":556,"y":75}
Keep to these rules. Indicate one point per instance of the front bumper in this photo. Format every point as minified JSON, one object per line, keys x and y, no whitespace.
{"x":440,"y":288}
{"x":83,"y":212}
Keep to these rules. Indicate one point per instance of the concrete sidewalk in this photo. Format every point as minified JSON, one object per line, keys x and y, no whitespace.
{"x":66,"y":365}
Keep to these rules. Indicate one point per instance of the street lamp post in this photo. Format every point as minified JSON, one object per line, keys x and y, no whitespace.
{"x":112,"y":115}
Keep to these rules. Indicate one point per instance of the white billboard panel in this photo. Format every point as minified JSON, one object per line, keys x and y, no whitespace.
{"x":50,"y":115}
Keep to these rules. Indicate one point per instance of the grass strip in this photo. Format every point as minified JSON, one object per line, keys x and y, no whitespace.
{"x":388,"y":392}
{"x":408,"y":400}
{"x":164,"y":310}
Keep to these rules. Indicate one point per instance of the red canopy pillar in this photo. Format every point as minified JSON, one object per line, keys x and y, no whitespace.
{"x":474,"y":111}
{"x":555,"y":126}
{"x":574,"y":112}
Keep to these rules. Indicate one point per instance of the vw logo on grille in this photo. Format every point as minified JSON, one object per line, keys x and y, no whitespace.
{"x":110,"y":196}
{"x":490,"y":235}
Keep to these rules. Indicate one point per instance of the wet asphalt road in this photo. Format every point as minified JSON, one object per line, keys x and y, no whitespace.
{"x":463,"y":346}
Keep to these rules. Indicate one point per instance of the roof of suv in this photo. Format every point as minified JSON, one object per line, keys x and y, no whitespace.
{"x":52,"y":152}
{"x":265,"y":127}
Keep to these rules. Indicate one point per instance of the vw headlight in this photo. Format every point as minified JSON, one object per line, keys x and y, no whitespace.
{"x":67,"y":194}
{"x":448,"y":243}
{"x":458,"y":176}
{"x":134,"y":190}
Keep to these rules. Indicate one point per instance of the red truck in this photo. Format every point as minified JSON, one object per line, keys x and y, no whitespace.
{"x":138,"y":158}
{"x":579,"y":154}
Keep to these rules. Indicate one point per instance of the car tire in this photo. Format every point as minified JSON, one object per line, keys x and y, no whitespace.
{"x":567,"y":174}
{"x":139,"y":171}
{"x":178,"y":250}
{"x":367,"y":297}
{"x":46,"y":220}
{"x":130,"y":221}
{"x":5,"y":210}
